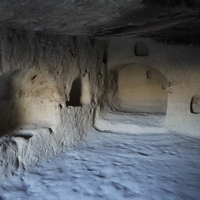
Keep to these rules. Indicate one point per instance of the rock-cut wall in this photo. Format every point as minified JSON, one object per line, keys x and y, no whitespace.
{"x":53,"y":88}
{"x":141,"y":89}
{"x":39,"y":74}
{"x":179,"y":64}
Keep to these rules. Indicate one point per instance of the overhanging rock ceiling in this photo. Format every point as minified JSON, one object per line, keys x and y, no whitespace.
{"x":171,"y":20}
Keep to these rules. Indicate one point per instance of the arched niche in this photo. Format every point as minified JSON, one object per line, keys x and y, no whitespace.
{"x":141,"y":89}
{"x":80,"y":92}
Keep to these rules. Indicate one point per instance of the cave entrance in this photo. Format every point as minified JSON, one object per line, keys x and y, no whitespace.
{"x":141,"y":89}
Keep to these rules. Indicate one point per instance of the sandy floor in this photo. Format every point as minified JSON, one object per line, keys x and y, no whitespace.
{"x":113,"y":167}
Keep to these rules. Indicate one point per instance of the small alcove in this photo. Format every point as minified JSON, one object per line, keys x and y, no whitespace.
{"x":195,"y":104}
{"x":80,"y":92}
{"x":75,"y":93}
{"x":141,"y":49}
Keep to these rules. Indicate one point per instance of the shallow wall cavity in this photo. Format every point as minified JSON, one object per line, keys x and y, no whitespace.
{"x":80,"y":92}
{"x":141,"y":89}
{"x":195,"y":104}
{"x":179,"y":64}
{"x":29,"y":99}
{"x":63,"y":59}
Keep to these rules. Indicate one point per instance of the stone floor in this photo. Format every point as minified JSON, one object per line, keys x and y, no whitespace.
{"x":114,"y":166}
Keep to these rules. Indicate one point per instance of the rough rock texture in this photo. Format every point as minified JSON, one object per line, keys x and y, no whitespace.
{"x":29,"y":99}
{"x":172,"y":20}
{"x":87,"y":80}
{"x":179,"y":64}
{"x":64,"y":59}
{"x":90,"y":80}
{"x":9,"y":161}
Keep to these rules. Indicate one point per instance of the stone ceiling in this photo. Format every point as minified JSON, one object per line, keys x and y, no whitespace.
{"x":175,"y":21}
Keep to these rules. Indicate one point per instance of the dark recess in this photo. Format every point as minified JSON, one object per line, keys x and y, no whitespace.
{"x":75,"y":93}
{"x":171,"y":3}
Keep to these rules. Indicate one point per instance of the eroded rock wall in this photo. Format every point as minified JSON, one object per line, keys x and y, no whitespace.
{"x":139,"y":75}
{"x":179,"y":64}
{"x":64,"y":59}
{"x":29,"y":99}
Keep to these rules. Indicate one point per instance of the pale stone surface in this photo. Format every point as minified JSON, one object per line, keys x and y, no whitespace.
{"x":85,"y":98}
{"x":68,"y":58}
{"x":9,"y":161}
{"x":127,"y":122}
{"x":29,"y":100}
{"x":179,"y":64}
{"x":63,"y":58}
{"x":140,"y":89}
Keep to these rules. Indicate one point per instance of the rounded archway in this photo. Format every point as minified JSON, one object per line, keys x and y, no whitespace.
{"x":141,"y":89}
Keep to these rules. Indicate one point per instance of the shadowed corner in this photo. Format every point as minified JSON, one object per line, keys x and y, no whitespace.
{"x":9,"y":111}
{"x":29,"y":100}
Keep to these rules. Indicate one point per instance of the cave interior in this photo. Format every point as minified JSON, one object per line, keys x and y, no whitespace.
{"x":117,"y":66}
